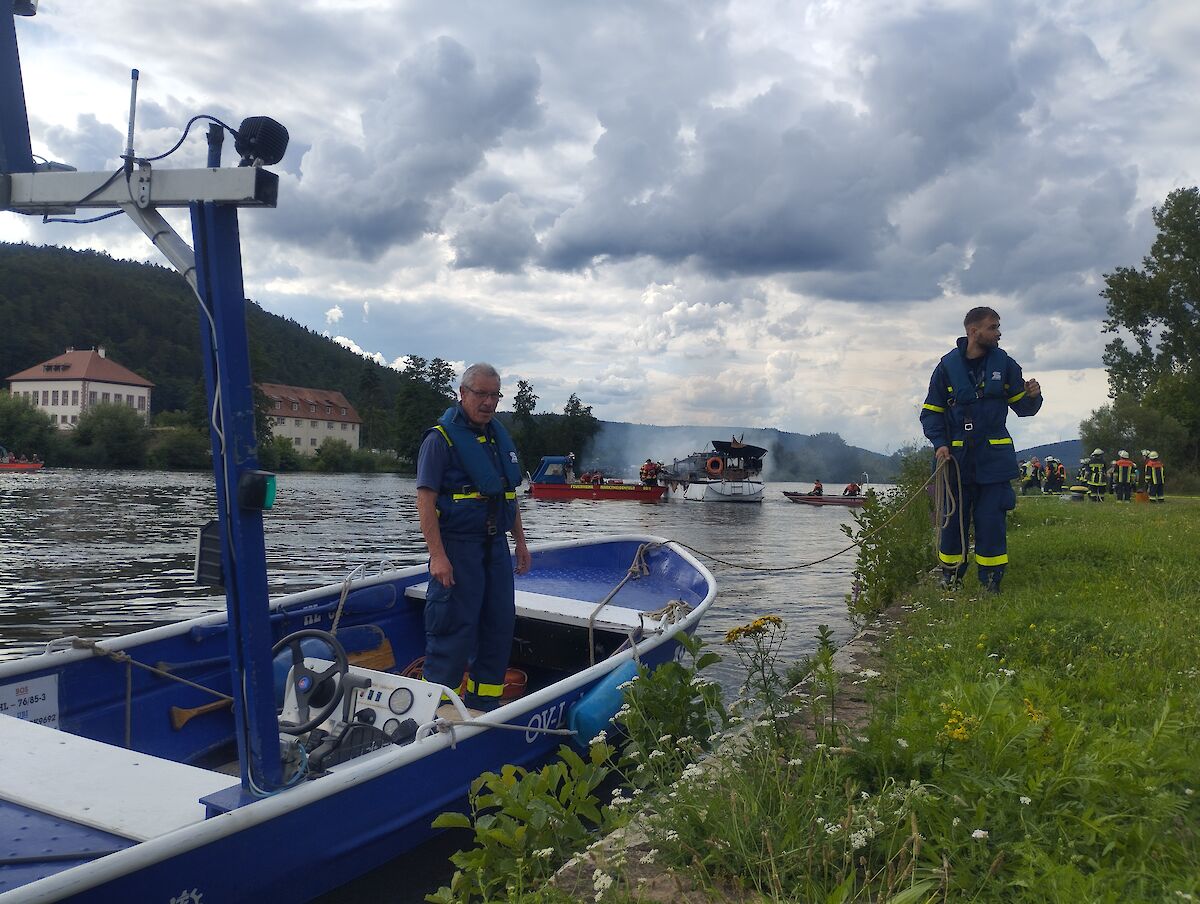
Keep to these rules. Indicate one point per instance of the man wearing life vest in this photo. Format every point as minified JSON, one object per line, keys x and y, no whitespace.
{"x":852,"y":489}
{"x":1124,"y":477}
{"x":1096,"y":478}
{"x":964,"y":416}
{"x":467,"y":477}
{"x":649,"y":473}
{"x":1155,"y":481}
{"x":1026,"y":474}
{"x":818,"y":489}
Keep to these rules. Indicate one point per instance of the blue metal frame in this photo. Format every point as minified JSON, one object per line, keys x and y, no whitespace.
{"x":230,"y":393}
{"x":16,"y":153}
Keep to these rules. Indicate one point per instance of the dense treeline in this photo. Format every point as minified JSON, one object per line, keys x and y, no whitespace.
{"x":1154,"y":361}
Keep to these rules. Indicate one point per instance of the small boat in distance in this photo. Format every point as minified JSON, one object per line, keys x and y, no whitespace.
{"x":843,"y":501}
{"x":729,"y":473}
{"x":10,"y":462}
{"x":555,"y":479}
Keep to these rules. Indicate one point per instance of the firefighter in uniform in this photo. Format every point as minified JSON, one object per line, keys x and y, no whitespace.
{"x":1155,"y":483}
{"x":1126,"y":477}
{"x":467,"y":477}
{"x":1097,"y":481}
{"x":964,"y":417}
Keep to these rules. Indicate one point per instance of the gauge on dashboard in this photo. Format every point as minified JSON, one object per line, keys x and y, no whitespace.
{"x":390,"y":726}
{"x":401,"y":701}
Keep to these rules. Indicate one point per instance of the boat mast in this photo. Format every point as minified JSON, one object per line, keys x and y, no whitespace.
{"x":214,"y":270}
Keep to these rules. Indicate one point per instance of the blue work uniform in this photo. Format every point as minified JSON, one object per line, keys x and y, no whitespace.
{"x":469,"y":626}
{"x":966,"y":410}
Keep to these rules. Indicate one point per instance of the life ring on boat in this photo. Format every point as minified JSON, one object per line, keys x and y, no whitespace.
{"x":714,"y":465}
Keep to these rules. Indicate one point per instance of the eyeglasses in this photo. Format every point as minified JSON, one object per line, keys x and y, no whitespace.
{"x":495,"y":396}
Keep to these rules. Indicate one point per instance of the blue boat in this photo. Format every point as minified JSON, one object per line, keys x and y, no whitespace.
{"x":283,"y":747}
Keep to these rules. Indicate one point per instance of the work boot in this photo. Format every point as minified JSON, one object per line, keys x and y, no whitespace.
{"x":949,"y":579}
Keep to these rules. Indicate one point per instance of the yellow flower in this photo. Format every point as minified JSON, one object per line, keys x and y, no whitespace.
{"x":758,"y":626}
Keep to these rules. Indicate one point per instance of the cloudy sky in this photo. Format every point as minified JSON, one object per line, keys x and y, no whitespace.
{"x":694,"y":212}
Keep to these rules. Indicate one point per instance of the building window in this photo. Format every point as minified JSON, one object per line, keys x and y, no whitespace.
{"x":74,"y":419}
{"x":74,"y":396}
{"x":343,"y":425}
{"x":45,"y":396}
{"x":54,"y":397}
{"x":343,"y":412}
{"x":278,"y":404}
{"x":295,"y":406}
{"x":329,"y":424}
{"x":312,"y":409}
{"x":328,"y":409}
{"x":313,"y":423}
{"x":299,"y":423}
{"x":141,"y":403}
{"x":104,"y":397}
{"x":296,"y":440}
{"x":91,"y":398}
{"x":313,"y":441}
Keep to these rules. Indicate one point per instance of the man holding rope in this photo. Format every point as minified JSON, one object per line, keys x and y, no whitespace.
{"x":964,"y":416}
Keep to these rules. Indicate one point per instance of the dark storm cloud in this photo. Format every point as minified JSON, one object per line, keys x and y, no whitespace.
{"x":441,"y":113}
{"x":498,"y":237}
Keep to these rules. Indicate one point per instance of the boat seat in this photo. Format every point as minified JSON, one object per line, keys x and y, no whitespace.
{"x":566,"y":611}
{"x":141,"y":796}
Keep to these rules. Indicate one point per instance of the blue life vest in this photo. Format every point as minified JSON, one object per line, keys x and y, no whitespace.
{"x":977,"y":414}
{"x":478,"y":496}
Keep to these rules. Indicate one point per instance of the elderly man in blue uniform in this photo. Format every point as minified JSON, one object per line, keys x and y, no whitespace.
{"x":964,"y":416}
{"x":467,"y":477}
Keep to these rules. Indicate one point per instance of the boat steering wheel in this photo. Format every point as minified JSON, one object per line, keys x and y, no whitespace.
{"x":310,"y":684}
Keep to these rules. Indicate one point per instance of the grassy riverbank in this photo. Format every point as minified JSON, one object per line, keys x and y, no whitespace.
{"x":1040,"y":745}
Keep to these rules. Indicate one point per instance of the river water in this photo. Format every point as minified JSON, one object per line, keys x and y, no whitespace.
{"x":101,"y":553}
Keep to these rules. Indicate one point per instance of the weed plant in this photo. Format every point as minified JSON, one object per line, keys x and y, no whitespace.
{"x":1041,"y":745}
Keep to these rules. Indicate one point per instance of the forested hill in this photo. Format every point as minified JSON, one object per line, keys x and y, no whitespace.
{"x":147,"y":319}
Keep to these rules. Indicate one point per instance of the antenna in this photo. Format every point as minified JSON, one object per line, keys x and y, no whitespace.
{"x":128,"y":155}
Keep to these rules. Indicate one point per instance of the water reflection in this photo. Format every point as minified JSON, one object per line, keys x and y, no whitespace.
{"x":99,"y":553}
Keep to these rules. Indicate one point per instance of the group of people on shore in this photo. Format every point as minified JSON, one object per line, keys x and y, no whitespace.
{"x":1119,"y":477}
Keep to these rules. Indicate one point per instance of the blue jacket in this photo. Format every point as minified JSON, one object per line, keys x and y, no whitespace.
{"x":477,"y":497}
{"x":970,"y":417}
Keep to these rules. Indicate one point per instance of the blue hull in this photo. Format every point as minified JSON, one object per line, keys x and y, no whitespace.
{"x":325,"y":832}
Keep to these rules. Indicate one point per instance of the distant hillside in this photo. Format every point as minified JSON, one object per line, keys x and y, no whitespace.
{"x":1068,"y":451}
{"x":148,"y":320}
{"x":621,"y":447}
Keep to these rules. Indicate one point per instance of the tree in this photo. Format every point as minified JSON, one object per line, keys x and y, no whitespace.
{"x":335,"y":455}
{"x":577,"y":427}
{"x":1159,"y":308}
{"x":441,"y":376}
{"x":525,"y":432}
{"x":24,"y":430}
{"x":1130,"y":425}
{"x":110,"y":436}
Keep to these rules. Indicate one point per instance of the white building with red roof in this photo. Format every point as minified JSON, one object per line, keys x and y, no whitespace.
{"x":308,"y":417}
{"x":66,"y":386}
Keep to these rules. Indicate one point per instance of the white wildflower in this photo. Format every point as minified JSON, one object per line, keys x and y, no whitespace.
{"x":672,"y":835}
{"x":858,"y":840}
{"x":864,"y":795}
{"x":543,"y":853}
{"x":602,"y":882}
{"x":1025,"y":801}
{"x":955,"y":821}
{"x":903,"y":743}
{"x":945,"y":646}
{"x":869,"y":673}
{"x":650,"y":855}
{"x":1008,"y":673}
{"x":1188,"y":791}
{"x":979,"y":834}
{"x":665,"y":739}
{"x":796,"y":761}
{"x":600,"y":738}
{"x":656,"y":754}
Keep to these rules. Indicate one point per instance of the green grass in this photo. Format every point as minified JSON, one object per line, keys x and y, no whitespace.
{"x":1041,"y":745}
{"x":1037,"y":746}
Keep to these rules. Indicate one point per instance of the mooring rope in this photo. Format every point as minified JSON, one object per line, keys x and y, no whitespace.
{"x":947,"y":503}
{"x":638,"y":569}
{"x":859,"y":542}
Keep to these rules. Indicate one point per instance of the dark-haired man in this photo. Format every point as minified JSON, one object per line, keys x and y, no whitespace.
{"x":964,"y":416}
